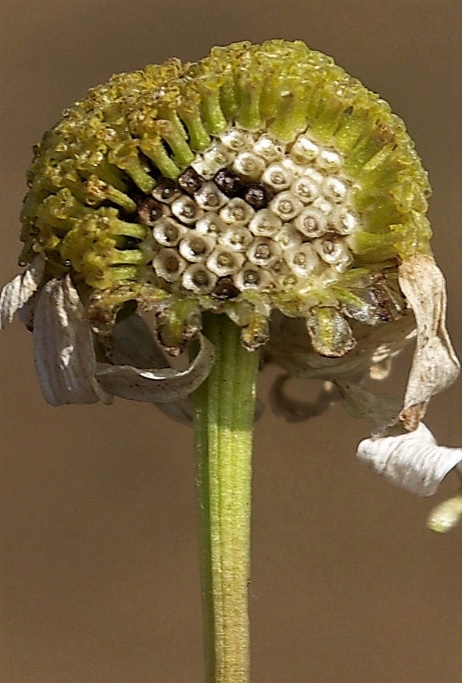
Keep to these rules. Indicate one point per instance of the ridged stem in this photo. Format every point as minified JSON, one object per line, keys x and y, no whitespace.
{"x":224,"y":416}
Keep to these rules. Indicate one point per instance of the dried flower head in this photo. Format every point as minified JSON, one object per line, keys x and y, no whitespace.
{"x":262,"y":178}
{"x":262,"y":182}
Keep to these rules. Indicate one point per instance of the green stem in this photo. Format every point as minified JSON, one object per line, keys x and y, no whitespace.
{"x":224,"y":416}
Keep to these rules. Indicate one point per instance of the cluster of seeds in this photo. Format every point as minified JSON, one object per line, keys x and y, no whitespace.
{"x":252,"y":213}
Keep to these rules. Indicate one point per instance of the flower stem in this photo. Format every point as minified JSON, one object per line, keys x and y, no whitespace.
{"x":224,"y":416}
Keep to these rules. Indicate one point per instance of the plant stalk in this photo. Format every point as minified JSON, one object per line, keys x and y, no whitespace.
{"x":224,"y":417}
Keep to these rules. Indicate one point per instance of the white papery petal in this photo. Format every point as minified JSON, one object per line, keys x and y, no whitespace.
{"x":288,"y":348}
{"x":413,"y":460}
{"x":364,"y":404}
{"x":26,"y":313}
{"x":157,"y":385}
{"x":17,"y":292}
{"x":133,"y":344}
{"x":63,"y":346}
{"x":435,"y":365}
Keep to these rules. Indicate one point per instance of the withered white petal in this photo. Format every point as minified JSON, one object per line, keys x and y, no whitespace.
{"x":157,"y":385}
{"x":288,"y":348}
{"x":64,"y":354}
{"x":27,"y":312}
{"x":435,"y":365}
{"x":364,"y":404}
{"x":17,"y":292}
{"x":412,"y":460}
{"x":133,"y":344}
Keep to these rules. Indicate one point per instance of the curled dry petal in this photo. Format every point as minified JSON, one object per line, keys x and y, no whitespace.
{"x":364,"y":404}
{"x":435,"y":365}
{"x":18,"y":292}
{"x":157,"y":385}
{"x":135,"y":345}
{"x":288,"y":348}
{"x":64,"y":354}
{"x":413,"y":460}
{"x":68,"y":371}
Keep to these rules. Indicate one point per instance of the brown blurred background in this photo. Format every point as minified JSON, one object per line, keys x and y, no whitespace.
{"x":98,"y":530}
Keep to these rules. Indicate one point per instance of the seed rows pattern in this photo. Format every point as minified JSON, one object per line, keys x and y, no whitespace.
{"x":250,"y":213}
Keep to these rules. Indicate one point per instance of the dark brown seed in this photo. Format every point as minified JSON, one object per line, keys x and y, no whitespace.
{"x":149,"y":211}
{"x":225,"y":289}
{"x":228,"y":182}
{"x":190,"y":181}
{"x":257,"y":195}
{"x":165,"y":190}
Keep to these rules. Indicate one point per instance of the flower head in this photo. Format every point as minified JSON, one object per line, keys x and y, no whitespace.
{"x":261,"y":178}
{"x":262,"y":182}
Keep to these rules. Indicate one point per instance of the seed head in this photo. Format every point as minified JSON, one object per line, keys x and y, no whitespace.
{"x":263,"y":183}
{"x":262,"y":171}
